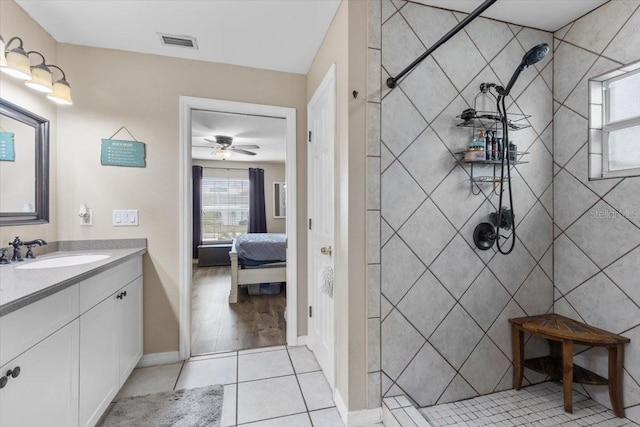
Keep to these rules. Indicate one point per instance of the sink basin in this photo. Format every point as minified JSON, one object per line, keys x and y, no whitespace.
{"x":63,"y":261}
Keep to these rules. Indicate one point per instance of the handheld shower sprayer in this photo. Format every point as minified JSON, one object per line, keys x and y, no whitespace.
{"x":534,"y":55}
{"x":486,"y":234}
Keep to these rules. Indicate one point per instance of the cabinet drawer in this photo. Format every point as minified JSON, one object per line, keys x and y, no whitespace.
{"x":23,"y":328}
{"x":99,"y":287}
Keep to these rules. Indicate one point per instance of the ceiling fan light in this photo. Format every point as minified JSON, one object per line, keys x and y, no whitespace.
{"x":61,"y":93}
{"x":41,"y":79}
{"x":224,"y":154}
{"x":18,"y":64}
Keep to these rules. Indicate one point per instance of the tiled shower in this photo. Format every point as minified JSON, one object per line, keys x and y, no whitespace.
{"x":437,"y":306}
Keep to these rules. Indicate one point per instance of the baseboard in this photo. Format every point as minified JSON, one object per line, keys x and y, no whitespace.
{"x":155,"y":359}
{"x":360,"y":418}
{"x":302,"y":340}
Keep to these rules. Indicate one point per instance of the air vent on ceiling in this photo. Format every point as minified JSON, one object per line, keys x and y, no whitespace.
{"x":180,"y":41}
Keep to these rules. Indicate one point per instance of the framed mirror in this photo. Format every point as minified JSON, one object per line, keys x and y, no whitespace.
{"x":24,"y":166}
{"x":279,"y":200}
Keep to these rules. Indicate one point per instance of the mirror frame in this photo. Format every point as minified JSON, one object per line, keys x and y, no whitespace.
{"x":276,"y":184}
{"x":41,"y":127}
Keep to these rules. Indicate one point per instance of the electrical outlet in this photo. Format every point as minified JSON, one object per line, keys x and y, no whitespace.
{"x":87,"y":219}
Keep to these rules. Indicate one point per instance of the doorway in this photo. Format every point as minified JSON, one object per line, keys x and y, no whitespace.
{"x":189,"y":105}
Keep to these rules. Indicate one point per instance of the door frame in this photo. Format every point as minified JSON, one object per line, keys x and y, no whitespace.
{"x":187,"y":104}
{"x":329,"y":81}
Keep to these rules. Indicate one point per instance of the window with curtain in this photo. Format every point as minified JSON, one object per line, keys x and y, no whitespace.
{"x":225,"y":208}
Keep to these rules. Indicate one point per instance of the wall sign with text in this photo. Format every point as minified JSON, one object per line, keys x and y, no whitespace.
{"x":7,"y":147}
{"x":116,"y":152}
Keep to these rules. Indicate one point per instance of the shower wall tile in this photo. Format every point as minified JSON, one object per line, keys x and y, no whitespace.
{"x":590,"y":33}
{"x":434,"y":283}
{"x":626,"y":45}
{"x":596,"y":259}
{"x":485,"y":299}
{"x":373,"y":181}
{"x":374,"y":22}
{"x":373,"y":345}
{"x":489,"y":36}
{"x":430,"y":368}
{"x":373,"y":129}
{"x":467,"y":334}
{"x":571,"y":63}
{"x":373,"y":237}
{"x":373,"y":75}
{"x":373,"y":290}
{"x":426,"y":304}
{"x":428,"y":172}
{"x":401,"y":122}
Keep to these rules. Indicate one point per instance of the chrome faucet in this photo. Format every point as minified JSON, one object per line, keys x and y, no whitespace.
{"x":30,"y":244}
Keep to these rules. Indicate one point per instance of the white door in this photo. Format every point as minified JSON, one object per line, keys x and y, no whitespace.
{"x":321,"y":113}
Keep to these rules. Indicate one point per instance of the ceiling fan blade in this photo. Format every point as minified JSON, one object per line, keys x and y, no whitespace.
{"x":238,"y":150}
{"x":250,"y":146}
{"x":214,"y":141}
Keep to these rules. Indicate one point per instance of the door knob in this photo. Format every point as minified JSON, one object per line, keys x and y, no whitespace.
{"x":325,"y":250}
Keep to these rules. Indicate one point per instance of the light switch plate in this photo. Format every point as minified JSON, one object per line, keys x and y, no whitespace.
{"x":125,"y":218}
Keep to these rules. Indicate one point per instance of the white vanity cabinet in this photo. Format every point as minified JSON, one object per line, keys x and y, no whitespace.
{"x":45,"y":391}
{"x":110,"y":338}
{"x":74,"y":350}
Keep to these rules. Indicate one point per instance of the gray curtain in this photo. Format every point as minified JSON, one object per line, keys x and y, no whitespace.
{"x":196,"y":172}
{"x":257,"y":216}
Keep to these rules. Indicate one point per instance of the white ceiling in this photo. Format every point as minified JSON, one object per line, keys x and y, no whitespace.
{"x":549,"y":15}
{"x":281,"y":35}
{"x":269,"y":133}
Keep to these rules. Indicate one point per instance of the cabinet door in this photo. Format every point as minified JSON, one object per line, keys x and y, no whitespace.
{"x":45,"y":393}
{"x":98,"y":360}
{"x":129,"y":309}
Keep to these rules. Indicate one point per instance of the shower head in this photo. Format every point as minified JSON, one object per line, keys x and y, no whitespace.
{"x":534,"y":55}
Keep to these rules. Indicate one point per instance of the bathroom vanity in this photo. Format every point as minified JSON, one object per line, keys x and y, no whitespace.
{"x":70,"y":335}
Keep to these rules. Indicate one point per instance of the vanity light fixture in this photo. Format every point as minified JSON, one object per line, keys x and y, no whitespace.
{"x":61,"y":89}
{"x":15,"y":62}
{"x":18,"y":64}
{"x":40,"y":76}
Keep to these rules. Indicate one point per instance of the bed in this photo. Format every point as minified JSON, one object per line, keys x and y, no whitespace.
{"x":257,"y":258}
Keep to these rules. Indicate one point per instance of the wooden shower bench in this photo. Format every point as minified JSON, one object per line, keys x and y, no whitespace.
{"x":562,"y":333}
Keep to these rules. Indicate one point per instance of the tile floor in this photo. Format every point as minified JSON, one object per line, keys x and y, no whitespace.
{"x":267,"y":387}
{"x":537,"y":405}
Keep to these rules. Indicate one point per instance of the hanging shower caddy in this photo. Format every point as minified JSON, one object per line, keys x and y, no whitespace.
{"x":489,"y":121}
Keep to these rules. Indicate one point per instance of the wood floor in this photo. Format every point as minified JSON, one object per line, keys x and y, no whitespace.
{"x":255,"y":321}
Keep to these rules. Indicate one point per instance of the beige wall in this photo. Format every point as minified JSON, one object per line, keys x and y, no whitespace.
{"x":273,"y":172}
{"x":113,"y":89}
{"x":345,"y":45}
{"x":15,"y":22}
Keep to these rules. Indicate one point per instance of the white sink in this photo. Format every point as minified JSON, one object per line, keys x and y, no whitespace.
{"x":63,"y":261}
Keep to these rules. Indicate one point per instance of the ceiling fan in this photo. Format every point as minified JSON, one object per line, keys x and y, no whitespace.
{"x":224,"y":144}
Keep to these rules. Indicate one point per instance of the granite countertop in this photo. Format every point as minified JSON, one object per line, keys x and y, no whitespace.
{"x":20,"y":287}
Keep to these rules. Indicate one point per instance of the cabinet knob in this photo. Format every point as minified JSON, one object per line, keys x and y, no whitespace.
{"x":119,"y":296}
{"x":14,"y":372}
{"x":124,"y":294}
{"x":3,"y":382}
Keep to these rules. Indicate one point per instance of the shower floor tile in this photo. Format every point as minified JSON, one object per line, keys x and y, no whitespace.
{"x":537,"y":405}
